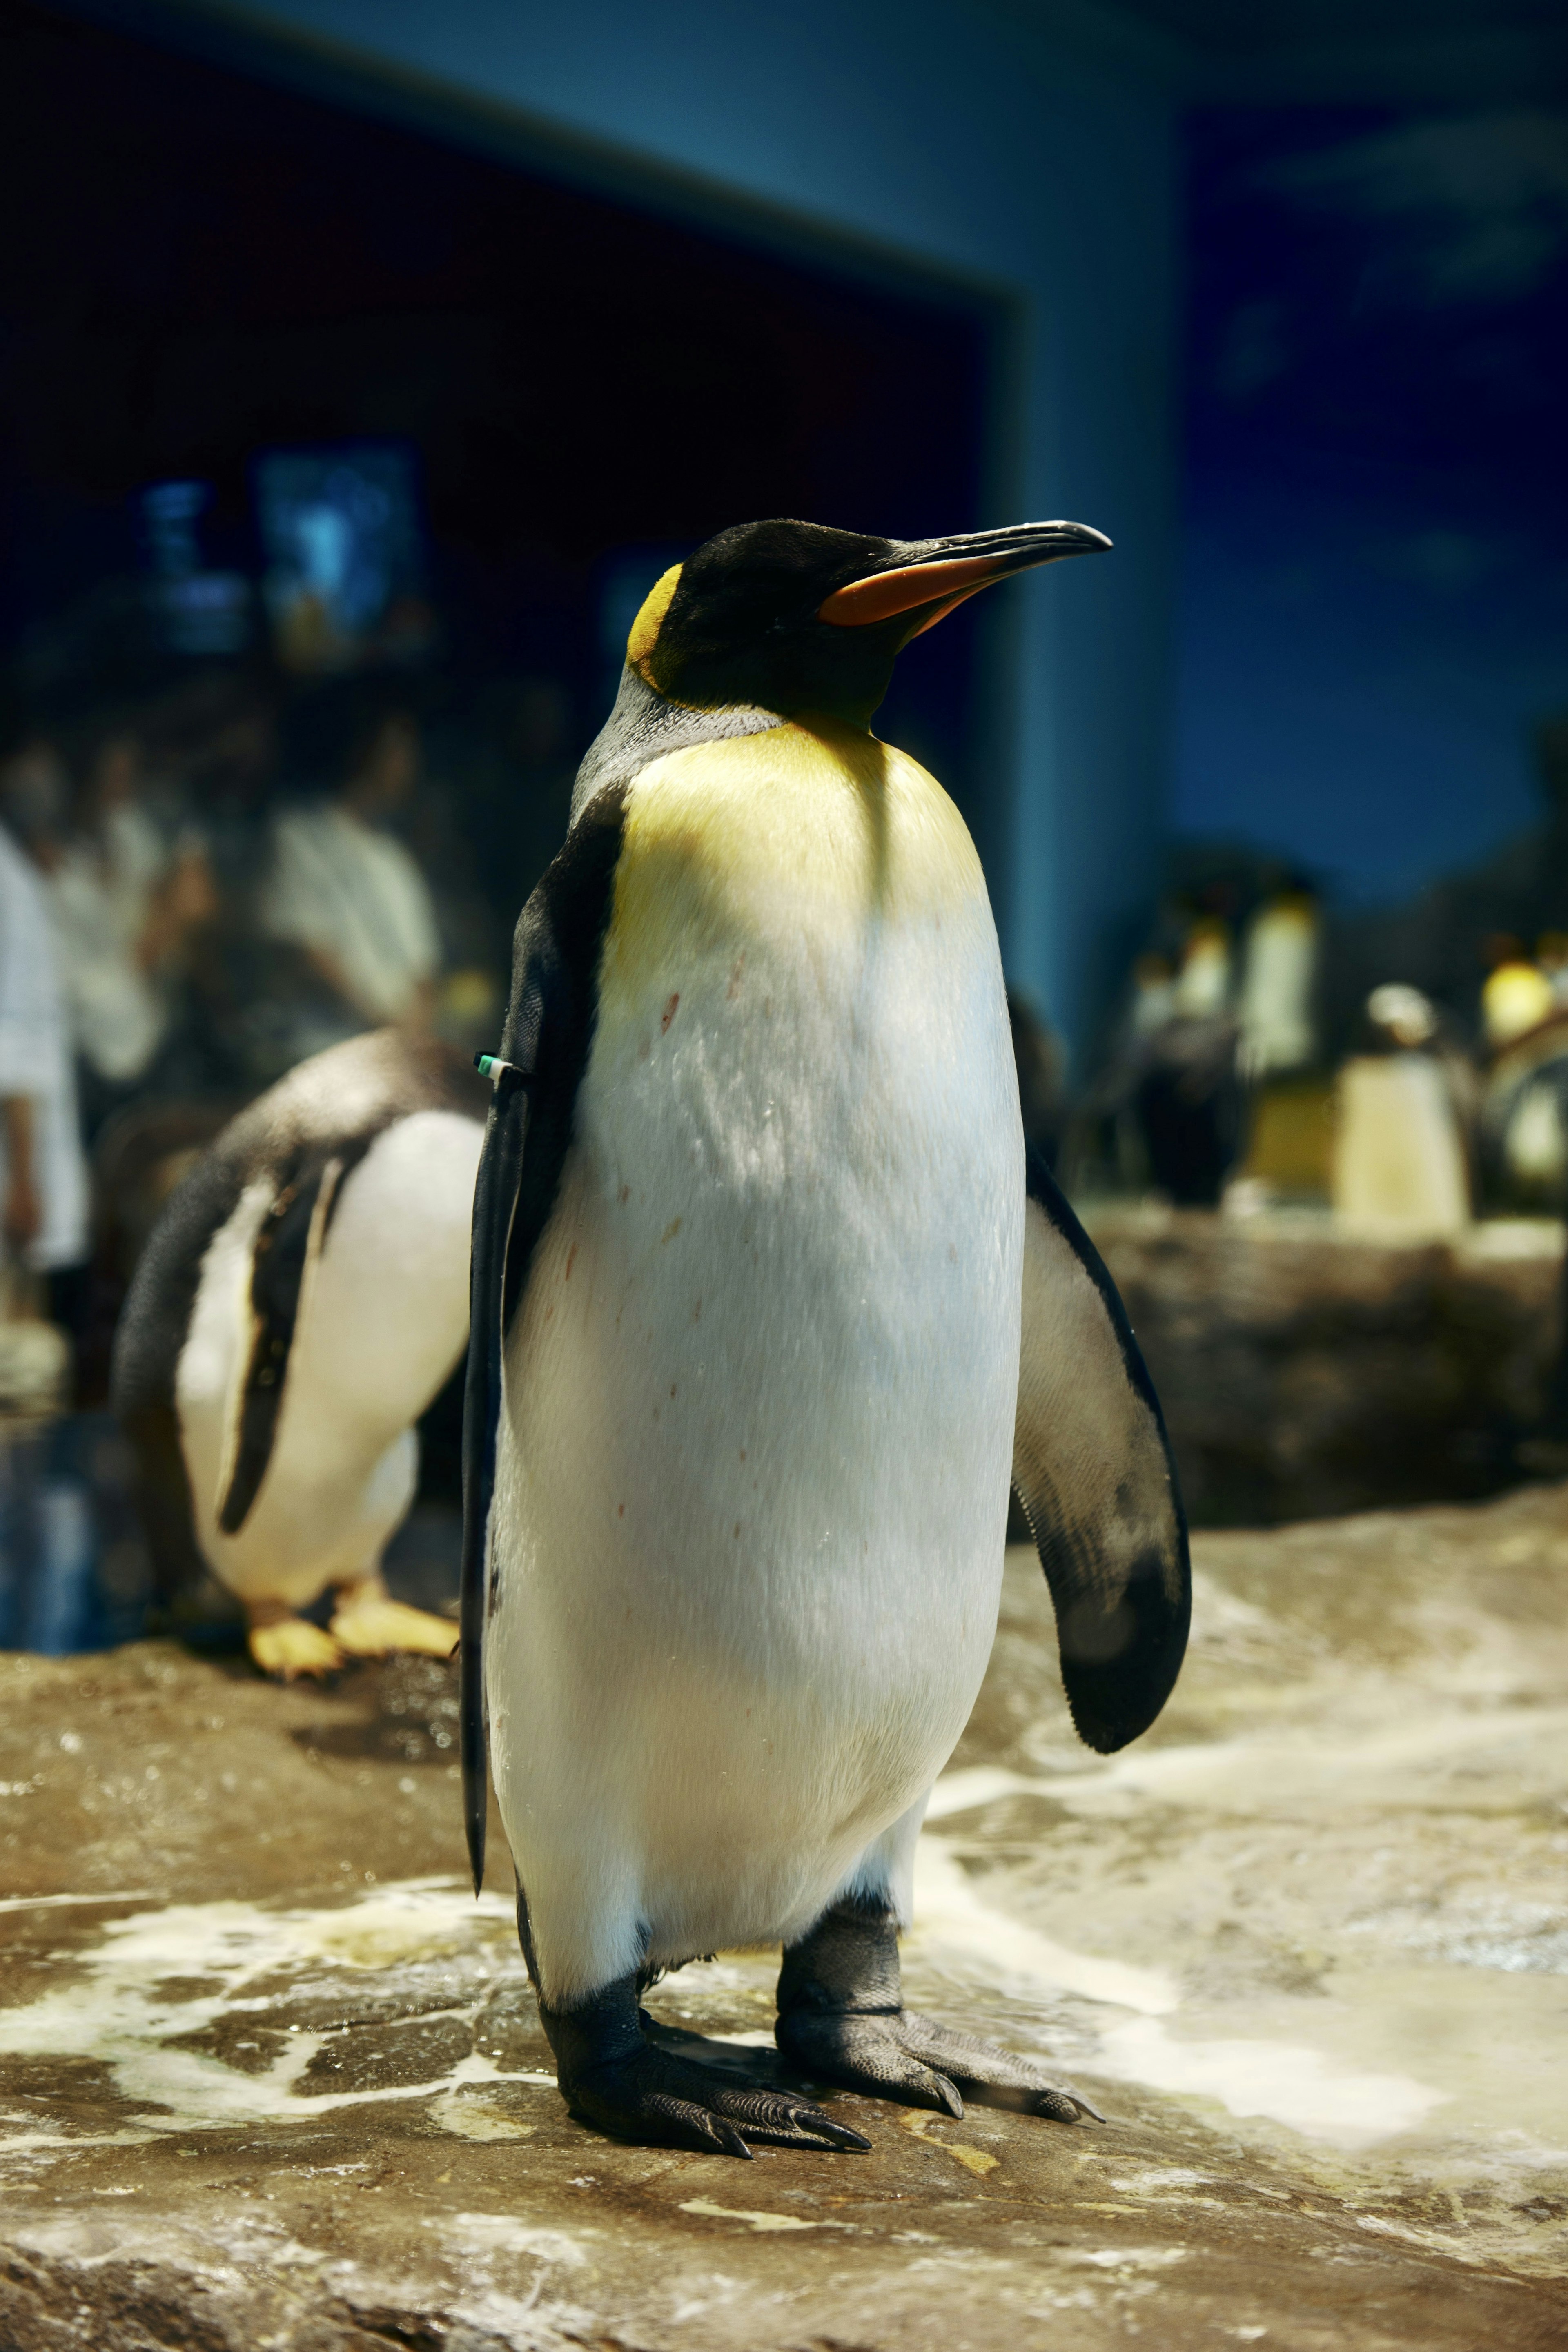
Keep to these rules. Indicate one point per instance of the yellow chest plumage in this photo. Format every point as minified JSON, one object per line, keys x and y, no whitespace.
{"x":819,"y":831}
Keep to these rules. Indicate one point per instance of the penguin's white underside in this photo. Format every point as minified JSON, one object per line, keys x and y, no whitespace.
{"x":753,"y":1456}
{"x":382,"y":1319}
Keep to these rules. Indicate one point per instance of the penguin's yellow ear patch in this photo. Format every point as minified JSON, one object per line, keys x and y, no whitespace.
{"x":648,"y":622}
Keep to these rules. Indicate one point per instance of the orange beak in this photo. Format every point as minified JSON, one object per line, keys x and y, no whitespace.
{"x":945,"y":580}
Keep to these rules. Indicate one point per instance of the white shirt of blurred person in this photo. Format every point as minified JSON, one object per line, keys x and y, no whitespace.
{"x":123,"y":905}
{"x":352,"y":896}
{"x":43,"y":1173}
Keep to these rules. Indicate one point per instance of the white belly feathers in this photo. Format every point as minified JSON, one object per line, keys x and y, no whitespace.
{"x":753,"y":1462}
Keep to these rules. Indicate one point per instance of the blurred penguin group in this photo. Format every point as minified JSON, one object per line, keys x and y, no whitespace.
{"x":1250,"y":1066}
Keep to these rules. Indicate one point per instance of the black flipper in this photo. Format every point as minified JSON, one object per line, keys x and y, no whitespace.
{"x":1093,"y":1470}
{"x":288,"y":1249}
{"x":544,"y":1050}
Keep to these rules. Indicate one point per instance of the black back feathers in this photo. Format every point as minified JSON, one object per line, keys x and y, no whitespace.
{"x":546,"y":1040}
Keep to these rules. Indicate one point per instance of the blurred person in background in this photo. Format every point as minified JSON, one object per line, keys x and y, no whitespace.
{"x":345,"y":890}
{"x":451,"y":828}
{"x":542,"y":758}
{"x":43,"y":1173}
{"x":126,"y":907}
{"x":222,"y":744}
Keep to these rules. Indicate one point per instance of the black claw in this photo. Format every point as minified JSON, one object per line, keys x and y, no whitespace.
{"x":840,"y":2136}
{"x":809,"y":2127}
{"x":1066,"y":2107}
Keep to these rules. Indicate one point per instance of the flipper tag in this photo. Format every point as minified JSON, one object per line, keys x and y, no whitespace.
{"x":491,"y":1066}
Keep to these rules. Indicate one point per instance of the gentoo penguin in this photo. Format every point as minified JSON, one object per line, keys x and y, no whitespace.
{"x":300,"y":1301}
{"x":768,"y":1310}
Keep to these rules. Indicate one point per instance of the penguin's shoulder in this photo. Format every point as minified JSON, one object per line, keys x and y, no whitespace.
{"x":337,"y":1101}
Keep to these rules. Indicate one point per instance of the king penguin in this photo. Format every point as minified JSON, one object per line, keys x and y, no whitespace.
{"x":769,"y":1308}
{"x":300,"y":1301}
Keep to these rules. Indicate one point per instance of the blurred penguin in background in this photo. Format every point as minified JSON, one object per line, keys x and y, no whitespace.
{"x":1516,"y":996}
{"x":1401,"y":1167}
{"x":344,"y":889}
{"x":1551,"y":957}
{"x":302,"y":1300}
{"x":1524,"y":1103}
{"x":1189,"y":1096}
{"x":1153,"y":998}
{"x":1278,"y":985}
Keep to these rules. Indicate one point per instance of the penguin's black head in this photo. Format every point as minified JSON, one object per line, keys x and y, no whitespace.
{"x":794,"y":617}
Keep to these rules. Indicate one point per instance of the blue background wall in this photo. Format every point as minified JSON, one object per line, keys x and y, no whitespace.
{"x":1375,"y":599}
{"x":963,"y":139}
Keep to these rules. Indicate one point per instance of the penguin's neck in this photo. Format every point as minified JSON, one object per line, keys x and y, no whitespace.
{"x":644,"y":725}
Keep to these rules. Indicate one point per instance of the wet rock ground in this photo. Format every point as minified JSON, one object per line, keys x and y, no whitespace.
{"x":269,"y":2078}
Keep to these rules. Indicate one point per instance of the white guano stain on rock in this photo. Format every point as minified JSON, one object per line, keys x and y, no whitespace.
{"x":128,"y":2001}
{"x":758,"y":2220}
{"x":1310,"y":2094}
{"x":953,"y":1921}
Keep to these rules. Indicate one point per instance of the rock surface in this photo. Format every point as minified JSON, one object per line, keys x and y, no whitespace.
{"x":268,"y":2077}
{"x":1306,"y":1374}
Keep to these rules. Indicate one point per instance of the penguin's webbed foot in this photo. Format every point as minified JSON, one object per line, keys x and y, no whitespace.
{"x":651,"y":2095}
{"x":611,"y":2076}
{"x":899,"y":2054}
{"x":368,"y":1623}
{"x":288,"y":1647}
{"x":842,"y":2020}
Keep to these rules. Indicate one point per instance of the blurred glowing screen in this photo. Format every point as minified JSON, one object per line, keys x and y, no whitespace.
{"x":344,"y":547}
